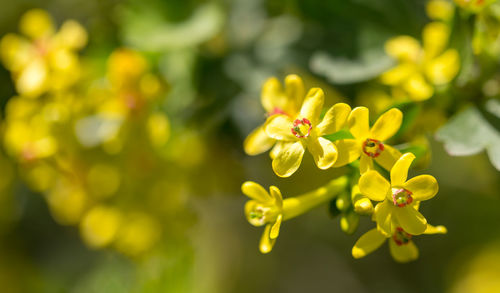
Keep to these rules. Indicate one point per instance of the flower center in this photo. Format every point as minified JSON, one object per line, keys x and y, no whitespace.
{"x":401,"y":237}
{"x":372,"y":147}
{"x":301,"y":128}
{"x":401,"y":197}
{"x":261,"y":214}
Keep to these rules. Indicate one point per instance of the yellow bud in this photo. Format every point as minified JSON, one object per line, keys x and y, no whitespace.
{"x":349,"y":222}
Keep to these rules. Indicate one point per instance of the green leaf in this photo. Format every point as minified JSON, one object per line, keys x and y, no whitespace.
{"x":341,"y":134}
{"x":469,"y":133}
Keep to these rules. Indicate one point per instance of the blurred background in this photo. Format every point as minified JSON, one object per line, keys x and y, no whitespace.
{"x":122,"y":154}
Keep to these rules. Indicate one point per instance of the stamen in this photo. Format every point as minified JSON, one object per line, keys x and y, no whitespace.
{"x":401,"y":197}
{"x":300,"y":127}
{"x":400,"y":237}
{"x":372,"y":147}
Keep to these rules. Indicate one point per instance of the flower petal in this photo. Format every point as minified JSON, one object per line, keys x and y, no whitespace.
{"x":272,"y":96}
{"x":398,"y":74}
{"x":255,"y":191}
{"x":312,"y":106}
{"x":399,"y":171}
{"x":266,"y":243}
{"x":367,"y":243}
{"x":387,"y":125}
{"x":279,"y":127}
{"x":423,"y":187}
{"x":276,"y":195}
{"x":403,"y":48}
{"x":411,"y":220}
{"x":323,"y":151}
{"x":444,"y":68}
{"x":435,"y":229}
{"x":294,"y":89}
{"x":258,"y":142}
{"x":289,"y":159}
{"x":403,"y":253}
{"x":335,"y":119}
{"x":275,"y":229}
{"x":276,"y":149}
{"x":374,"y":186}
{"x":348,"y":150}
{"x":418,"y":88}
{"x":358,"y":122}
{"x":435,"y":35}
{"x":383,"y":216}
{"x":388,"y":157}
{"x":365,"y":163}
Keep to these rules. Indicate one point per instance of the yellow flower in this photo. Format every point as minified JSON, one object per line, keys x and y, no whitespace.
{"x":399,"y":197}
{"x":264,"y":209}
{"x":401,"y":245}
{"x":269,"y":208}
{"x":43,"y":60}
{"x":368,"y":143}
{"x":419,"y":68}
{"x":305,"y":130}
{"x":275,"y":100}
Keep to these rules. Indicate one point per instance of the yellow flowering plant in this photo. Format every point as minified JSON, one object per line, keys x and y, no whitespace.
{"x":340,"y":138}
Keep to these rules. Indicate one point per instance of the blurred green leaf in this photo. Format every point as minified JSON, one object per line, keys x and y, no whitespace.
{"x":468,"y":133}
{"x":148,"y":30}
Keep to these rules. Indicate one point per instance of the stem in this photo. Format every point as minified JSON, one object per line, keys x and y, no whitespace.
{"x":296,"y":206}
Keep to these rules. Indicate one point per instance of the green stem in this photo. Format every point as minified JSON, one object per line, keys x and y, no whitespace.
{"x":296,"y":206}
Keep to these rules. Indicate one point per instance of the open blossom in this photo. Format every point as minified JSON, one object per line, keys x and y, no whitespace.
{"x":421,"y":68}
{"x":43,"y":60}
{"x":398,"y":199}
{"x":269,"y":208}
{"x":368,"y":143}
{"x":305,"y":131}
{"x":401,"y":245}
{"x":265,"y":208}
{"x":276,"y":100}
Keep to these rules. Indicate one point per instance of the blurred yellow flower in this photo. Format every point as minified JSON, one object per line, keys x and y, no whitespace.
{"x":44,"y":60}
{"x":401,"y":245}
{"x":440,"y":10}
{"x":399,"y":198}
{"x":275,"y":100}
{"x":368,"y":143}
{"x":99,"y":226}
{"x":305,"y":131}
{"x":419,"y":68}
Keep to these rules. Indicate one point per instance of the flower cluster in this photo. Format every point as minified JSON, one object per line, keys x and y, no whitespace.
{"x":291,"y":129}
{"x":91,"y":142}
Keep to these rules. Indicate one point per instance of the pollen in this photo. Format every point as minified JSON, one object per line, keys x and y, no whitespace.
{"x":301,"y":128}
{"x":401,"y":197}
{"x":372,"y":147}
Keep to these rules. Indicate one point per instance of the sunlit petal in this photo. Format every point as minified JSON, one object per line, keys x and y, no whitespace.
{"x":399,"y":171}
{"x":411,"y":220}
{"x":374,"y":186}
{"x":388,"y":157}
{"x":255,"y":191}
{"x":289,"y":159}
{"x":387,"y":125}
{"x":324,"y":152}
{"x":423,"y":187}
{"x":312,"y":106}
{"x":368,"y":243}
{"x":279,"y":127}
{"x":403,"y":253}
{"x":348,"y":150}
{"x":258,"y":142}
{"x":266,"y":243}
{"x":358,"y":122}
{"x":334,"y":119}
